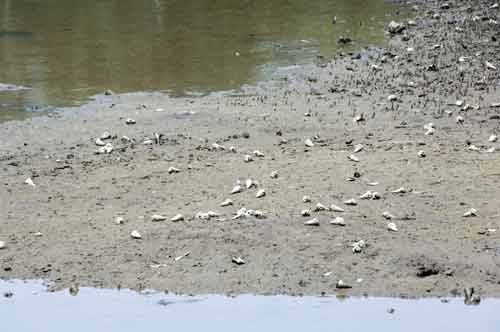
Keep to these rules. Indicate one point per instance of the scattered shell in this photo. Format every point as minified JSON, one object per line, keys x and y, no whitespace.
{"x":370,"y":195}
{"x":392,"y":98}
{"x":30,"y":182}
{"x":157,"y":217}
{"x":395,"y":27}
{"x":421,"y":154}
{"x":460,"y":119}
{"x":357,"y":247}
{"x":148,"y":142}
{"x":308,"y":143}
{"x":342,"y":285}
{"x":249,"y":183}
{"x":106,"y":149}
{"x":358,"y":148}
{"x":336,"y":208}
{"x":232,"y":149}
{"x":218,"y":147}
{"x":312,"y":222}
{"x":359,"y":118}
{"x":353,"y":158}
{"x":392,"y":227}
{"x":125,"y":139}
{"x":306,"y":199}
{"x":305,"y":213}
{"x":135,"y":235}
{"x":493,"y":138}
{"x":274,"y":175}
{"x":177,"y":217}
{"x":351,"y":201}
{"x":238,"y":260}
{"x":400,"y":190}
{"x":119,"y":220}
{"x":130,"y":121}
{"x":320,"y":207}
{"x":470,"y":213}
{"x":178,"y":258}
{"x":248,"y":158}
{"x":373,"y":184}
{"x":339,"y":221}
{"x":472,"y":147}
{"x":491,"y":150}
{"x":387,"y":215}
{"x":106,"y":135}
{"x":3,"y":245}
{"x":236,"y":189}
{"x":459,"y":103}
{"x":227,"y":202}
{"x":430,"y":131}
{"x":173,"y":170}
{"x":489,"y":65}
{"x":260,"y":193}
{"x":257,"y":153}
{"x":99,"y":142}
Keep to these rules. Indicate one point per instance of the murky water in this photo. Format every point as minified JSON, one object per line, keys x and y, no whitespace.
{"x":68,"y":50}
{"x":32,"y":309}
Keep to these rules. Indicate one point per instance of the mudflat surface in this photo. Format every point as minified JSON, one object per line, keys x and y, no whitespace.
{"x":63,"y":229}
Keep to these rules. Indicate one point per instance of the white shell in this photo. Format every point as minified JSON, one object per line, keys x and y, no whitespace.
{"x":400,"y":190}
{"x":339,"y":221}
{"x":274,"y":175}
{"x":493,"y":138}
{"x":177,"y":217}
{"x":148,"y":142}
{"x":359,"y":118}
{"x":306,"y":199}
{"x":202,"y":215}
{"x":158,"y":217}
{"x":320,"y":207}
{"x":108,"y":148}
{"x":366,"y":195}
{"x":373,"y":184}
{"x":357,"y":247}
{"x":227,"y":202}
{"x":130,"y":121}
{"x":336,"y":208}
{"x":387,"y":215}
{"x":30,"y":182}
{"x":430,"y":131}
{"x":257,"y":153}
{"x":106,"y":135}
{"x":309,"y":143}
{"x":232,"y":149}
{"x":472,"y":147}
{"x":119,"y":220}
{"x":392,"y":227}
{"x":312,"y":222}
{"x":216,"y":146}
{"x":489,"y":65}
{"x":429,"y":125}
{"x":135,"y":235}
{"x":421,"y":154}
{"x":358,"y":148}
{"x":260,"y":193}
{"x":459,"y":119}
{"x":2,"y":245}
{"x":351,"y":201}
{"x":491,"y":150}
{"x":305,"y":213}
{"x":249,"y":183}
{"x":353,"y":158}
{"x":471,"y":213}
{"x":236,"y":189}
{"x":392,"y":98}
{"x":238,"y":260}
{"x":459,"y":103}
{"x":173,"y":170}
{"x":99,"y":142}
{"x":248,"y":158}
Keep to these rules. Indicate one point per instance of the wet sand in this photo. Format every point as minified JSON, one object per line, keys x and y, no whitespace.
{"x":64,"y":228}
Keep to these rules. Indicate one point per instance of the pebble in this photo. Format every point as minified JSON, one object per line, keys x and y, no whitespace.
{"x":395,"y":27}
{"x":157,"y":217}
{"x":260,"y":193}
{"x":135,"y":235}
{"x":392,"y":227}
{"x":308,"y":143}
{"x":30,"y":182}
{"x":339,"y":221}
{"x":392,"y":98}
{"x":227,"y":202}
{"x":312,"y":222}
{"x":177,"y":217}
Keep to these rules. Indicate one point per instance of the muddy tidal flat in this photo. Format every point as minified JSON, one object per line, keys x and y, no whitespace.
{"x":375,"y":172}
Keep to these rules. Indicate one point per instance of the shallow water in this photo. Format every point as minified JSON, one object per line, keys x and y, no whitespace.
{"x":69,"y":50}
{"x":32,"y":308}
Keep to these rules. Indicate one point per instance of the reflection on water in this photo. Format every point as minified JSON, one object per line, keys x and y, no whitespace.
{"x":67,"y":50}
{"x":29,"y":308}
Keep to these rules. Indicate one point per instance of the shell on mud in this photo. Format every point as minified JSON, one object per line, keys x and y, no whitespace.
{"x":470,"y":213}
{"x":342,"y":285}
{"x":158,"y":217}
{"x":177,"y":217}
{"x":491,"y":150}
{"x":248,"y":158}
{"x":236,"y":189}
{"x":3,"y":245}
{"x":460,"y":119}
{"x":241,"y":213}
{"x":392,"y":227}
{"x":226,"y":202}
{"x":392,"y":98}
{"x":309,"y":143}
{"x":387,"y":215}
{"x":259,"y":154}
{"x":312,"y":222}
{"x":357,"y":247}
{"x":351,"y":202}
{"x":119,"y":220}
{"x":99,"y":142}
{"x":274,"y":175}
{"x":339,"y":221}
{"x":395,"y":27}
{"x":238,"y":260}
{"x":430,"y":131}
{"x":173,"y":170}
{"x":472,"y":147}
{"x":135,"y":235}
{"x":260,"y":193}
{"x":148,"y":142}
{"x":421,"y":154}
{"x":492,"y":138}
{"x":232,"y":149}
{"x":400,"y":190}
{"x":106,"y":135}
{"x":305,"y":213}
{"x":130,"y":121}
{"x":336,"y":208}
{"x":353,"y":158}
{"x":30,"y":182}
{"x":373,"y":184}
{"x":320,"y":207}
{"x":106,"y":149}
{"x":359,"y":118}
{"x":306,"y":199}
{"x":358,"y":148}
{"x":218,"y":147}
{"x":489,"y":65}
{"x":249,"y":183}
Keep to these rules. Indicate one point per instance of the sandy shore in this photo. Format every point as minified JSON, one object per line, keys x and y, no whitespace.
{"x":440,"y":70}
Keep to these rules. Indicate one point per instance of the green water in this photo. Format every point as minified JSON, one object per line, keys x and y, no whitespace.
{"x":69,"y":50}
